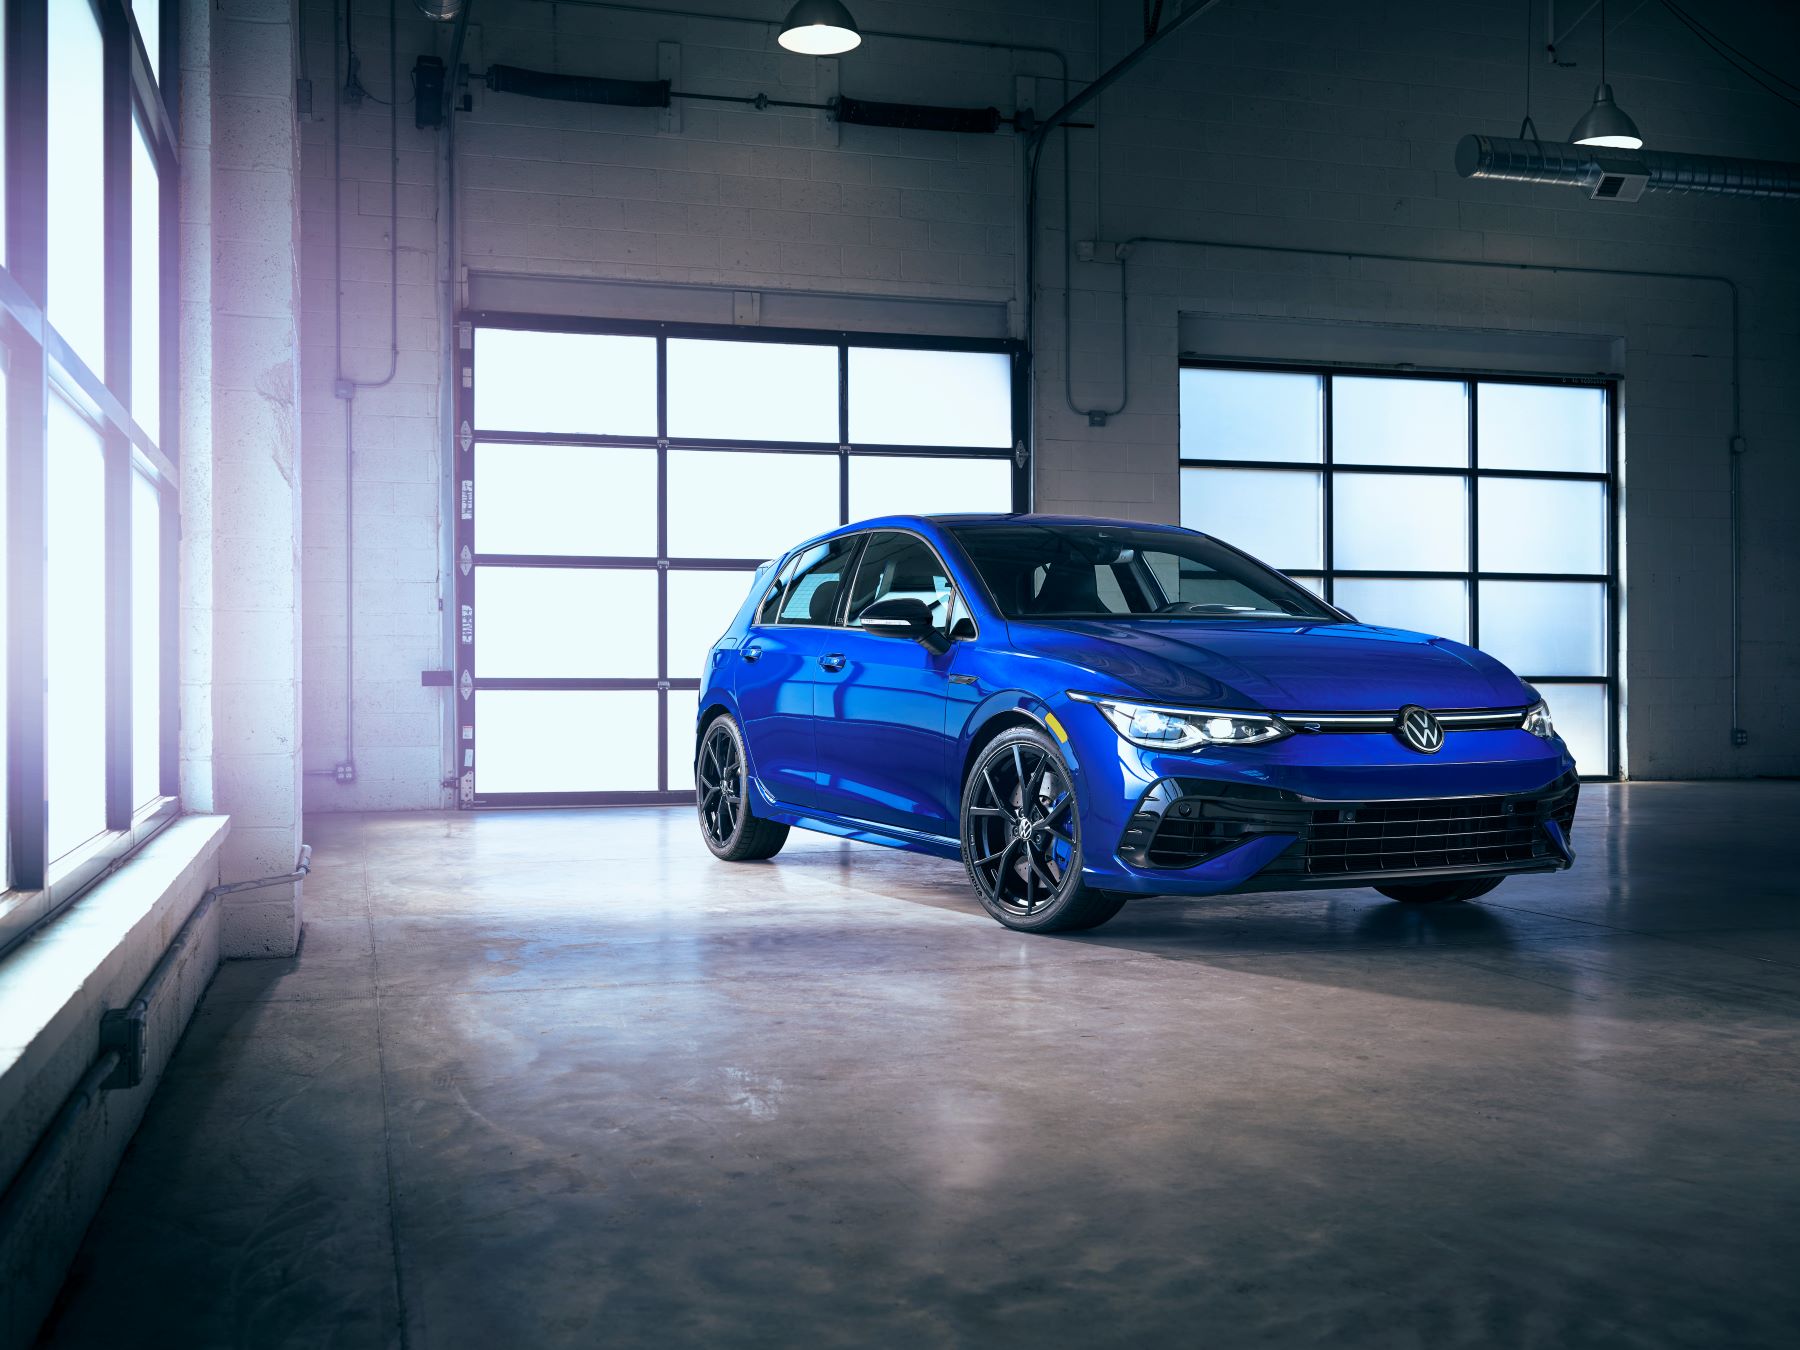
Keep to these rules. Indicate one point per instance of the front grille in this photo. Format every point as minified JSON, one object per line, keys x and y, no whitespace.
{"x":1184,"y":822}
{"x":1181,"y":842}
{"x":1416,"y":836}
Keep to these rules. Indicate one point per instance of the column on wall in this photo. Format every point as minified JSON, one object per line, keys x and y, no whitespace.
{"x":255,"y":478}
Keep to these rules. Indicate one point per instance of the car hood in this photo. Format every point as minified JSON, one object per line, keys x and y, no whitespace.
{"x":1280,"y":666}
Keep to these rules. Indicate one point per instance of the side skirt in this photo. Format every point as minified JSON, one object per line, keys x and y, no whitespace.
{"x":862,"y":831}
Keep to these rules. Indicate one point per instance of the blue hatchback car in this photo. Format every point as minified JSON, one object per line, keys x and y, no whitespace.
{"x":1088,"y":710}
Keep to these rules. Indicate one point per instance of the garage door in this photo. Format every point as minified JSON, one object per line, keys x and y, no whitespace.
{"x":1474,"y":508}
{"x":620,"y":486}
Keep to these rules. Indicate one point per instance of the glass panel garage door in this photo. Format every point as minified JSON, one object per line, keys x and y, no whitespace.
{"x":1479,"y":509}
{"x":619,"y":489}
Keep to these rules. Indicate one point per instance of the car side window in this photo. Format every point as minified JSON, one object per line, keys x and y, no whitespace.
{"x":903,"y":565}
{"x":811,"y":595}
{"x":771,"y":601}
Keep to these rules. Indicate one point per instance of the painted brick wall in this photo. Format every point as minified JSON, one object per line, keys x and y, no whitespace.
{"x":1295,"y":122}
{"x":396,"y":428}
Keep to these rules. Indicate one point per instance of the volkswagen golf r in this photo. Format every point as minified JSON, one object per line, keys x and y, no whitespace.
{"x":1087,"y":710}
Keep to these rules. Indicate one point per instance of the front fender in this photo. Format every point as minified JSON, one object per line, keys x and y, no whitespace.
{"x":1010,"y":704}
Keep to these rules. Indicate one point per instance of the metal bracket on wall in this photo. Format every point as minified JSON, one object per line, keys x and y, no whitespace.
{"x":825,"y":71}
{"x":668,"y":67}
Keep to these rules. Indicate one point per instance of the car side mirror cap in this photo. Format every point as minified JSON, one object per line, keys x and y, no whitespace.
{"x":902,"y":616}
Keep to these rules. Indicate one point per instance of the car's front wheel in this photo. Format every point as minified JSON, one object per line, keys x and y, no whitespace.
{"x":1439,"y":892}
{"x":1021,"y":838}
{"x":722,"y":795}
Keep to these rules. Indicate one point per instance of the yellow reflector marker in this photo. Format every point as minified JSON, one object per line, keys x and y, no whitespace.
{"x":1056,"y":727}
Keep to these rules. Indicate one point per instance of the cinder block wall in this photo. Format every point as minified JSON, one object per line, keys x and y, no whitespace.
{"x":1295,"y":122}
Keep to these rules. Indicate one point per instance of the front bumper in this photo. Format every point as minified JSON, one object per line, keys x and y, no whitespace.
{"x":1191,"y":835}
{"x":1317,"y":810}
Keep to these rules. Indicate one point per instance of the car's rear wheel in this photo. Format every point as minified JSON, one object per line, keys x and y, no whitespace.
{"x":1438,"y":892}
{"x":722,"y":796}
{"x":1021,"y":838}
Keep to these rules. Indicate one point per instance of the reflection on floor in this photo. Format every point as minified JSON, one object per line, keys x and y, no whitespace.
{"x":561,"y":1078}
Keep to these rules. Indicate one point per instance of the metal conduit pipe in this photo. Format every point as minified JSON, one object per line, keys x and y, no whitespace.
{"x":1515,"y":161}
{"x":343,"y":386}
{"x":1735,"y":448}
{"x":1034,"y":150}
{"x":55,"y":1140}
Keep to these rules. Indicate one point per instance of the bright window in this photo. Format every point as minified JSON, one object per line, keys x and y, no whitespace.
{"x":76,"y":630}
{"x":1502,"y":539}
{"x":1276,"y":516}
{"x":81,"y":369}
{"x":77,"y":196}
{"x":579,"y":384}
{"x":604,"y":502}
{"x":794,"y":495}
{"x":146,"y":640}
{"x":146,"y":287}
{"x":1252,"y":414}
{"x":605,"y":560}
{"x":884,"y":485}
{"x":908,"y":396}
{"x":148,"y":14}
{"x":753,"y":391}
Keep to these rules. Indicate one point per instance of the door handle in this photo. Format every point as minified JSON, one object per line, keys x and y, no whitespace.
{"x":832,"y":661}
{"x":752,"y":653}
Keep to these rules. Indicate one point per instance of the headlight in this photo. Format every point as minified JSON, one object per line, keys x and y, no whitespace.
{"x":1538,"y":723}
{"x":1157,"y":728}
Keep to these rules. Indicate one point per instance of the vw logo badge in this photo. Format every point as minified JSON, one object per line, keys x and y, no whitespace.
{"x":1420,"y":730}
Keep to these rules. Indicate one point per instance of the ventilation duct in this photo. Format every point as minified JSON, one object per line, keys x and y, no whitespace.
{"x":1623,"y":175}
{"x":578,"y":88}
{"x":917,"y":116}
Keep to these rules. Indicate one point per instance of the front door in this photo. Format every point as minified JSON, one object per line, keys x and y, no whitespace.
{"x":879,"y":703}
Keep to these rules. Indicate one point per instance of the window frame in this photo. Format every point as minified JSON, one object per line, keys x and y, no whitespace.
{"x":951,"y":611}
{"x":41,"y":366}
{"x":470,"y":436}
{"x":1472,"y":474}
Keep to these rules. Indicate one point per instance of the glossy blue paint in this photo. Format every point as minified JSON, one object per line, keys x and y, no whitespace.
{"x":866,"y":736}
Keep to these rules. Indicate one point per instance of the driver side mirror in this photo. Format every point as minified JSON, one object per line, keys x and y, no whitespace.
{"x":903,"y":617}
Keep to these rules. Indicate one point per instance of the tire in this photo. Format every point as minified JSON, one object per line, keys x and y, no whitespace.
{"x":1021,"y":776}
{"x":722,"y":798}
{"x":1439,"y":892}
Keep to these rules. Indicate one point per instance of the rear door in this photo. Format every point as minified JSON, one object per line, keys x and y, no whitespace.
{"x":778,"y":663}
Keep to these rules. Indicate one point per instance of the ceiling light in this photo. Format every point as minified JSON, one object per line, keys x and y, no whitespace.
{"x":819,"y":28}
{"x":1606,"y":124}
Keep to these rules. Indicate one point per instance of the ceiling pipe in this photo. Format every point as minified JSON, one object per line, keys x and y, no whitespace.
{"x":1623,"y":174}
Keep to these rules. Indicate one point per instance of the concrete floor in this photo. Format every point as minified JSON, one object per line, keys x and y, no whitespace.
{"x":561,"y":1078}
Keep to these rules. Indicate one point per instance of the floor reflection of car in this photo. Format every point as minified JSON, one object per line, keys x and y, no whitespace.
{"x":1086,"y":710}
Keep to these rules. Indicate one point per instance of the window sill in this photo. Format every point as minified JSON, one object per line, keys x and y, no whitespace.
{"x":95,"y":954}
{"x":21,"y":912}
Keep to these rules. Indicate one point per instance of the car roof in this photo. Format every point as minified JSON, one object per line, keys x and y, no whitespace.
{"x":929,"y":525}
{"x":1001,"y":518}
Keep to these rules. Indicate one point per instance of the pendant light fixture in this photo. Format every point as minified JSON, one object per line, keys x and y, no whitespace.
{"x":1605,"y":124}
{"x":819,"y":28}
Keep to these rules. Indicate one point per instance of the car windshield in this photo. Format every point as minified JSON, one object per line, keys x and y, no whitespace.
{"x":1116,"y":571}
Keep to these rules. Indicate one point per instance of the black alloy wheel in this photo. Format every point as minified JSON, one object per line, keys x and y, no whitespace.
{"x":721,"y":795}
{"x":1021,"y":838}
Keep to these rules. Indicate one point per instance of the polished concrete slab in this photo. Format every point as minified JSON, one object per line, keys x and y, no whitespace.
{"x":560,"y":1078}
